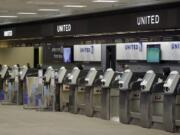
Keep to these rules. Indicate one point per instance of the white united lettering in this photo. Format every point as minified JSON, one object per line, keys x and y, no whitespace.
{"x":64,"y":28}
{"x":147,"y":20}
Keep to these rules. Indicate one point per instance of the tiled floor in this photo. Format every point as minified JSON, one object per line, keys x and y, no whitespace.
{"x":17,"y":121}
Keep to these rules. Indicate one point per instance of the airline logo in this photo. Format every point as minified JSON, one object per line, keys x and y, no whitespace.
{"x":134,"y":47}
{"x":175,"y":46}
{"x":89,"y":49}
{"x":64,"y":28}
{"x":148,"y":20}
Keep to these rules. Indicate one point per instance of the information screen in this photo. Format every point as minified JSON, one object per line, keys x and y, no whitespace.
{"x":153,"y":53}
{"x":67,"y":55}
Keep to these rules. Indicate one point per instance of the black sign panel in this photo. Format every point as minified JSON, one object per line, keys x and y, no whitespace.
{"x":152,"y":20}
{"x":4,"y":33}
{"x":105,"y":23}
{"x":53,"y":54}
{"x":71,"y":27}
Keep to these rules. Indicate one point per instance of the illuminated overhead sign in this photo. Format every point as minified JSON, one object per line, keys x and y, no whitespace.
{"x":148,"y":20}
{"x":88,"y":53}
{"x":8,"y":33}
{"x":64,"y":28}
{"x":130,"y":51}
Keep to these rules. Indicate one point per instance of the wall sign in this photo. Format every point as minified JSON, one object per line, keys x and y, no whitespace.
{"x":89,"y":53}
{"x":130,"y":51}
{"x":64,"y":28}
{"x":52,"y":54}
{"x":170,"y":51}
{"x":56,"y":53}
{"x":8,"y":33}
{"x":148,"y":20}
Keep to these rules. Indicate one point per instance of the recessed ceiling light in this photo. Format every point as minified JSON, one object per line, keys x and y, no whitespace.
{"x":8,"y":16}
{"x":49,"y":10}
{"x":75,"y":6}
{"x":26,"y":13}
{"x":105,"y":1}
{"x":41,"y":2}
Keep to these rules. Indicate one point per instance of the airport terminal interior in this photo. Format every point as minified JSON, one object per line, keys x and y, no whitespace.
{"x":90,"y":67}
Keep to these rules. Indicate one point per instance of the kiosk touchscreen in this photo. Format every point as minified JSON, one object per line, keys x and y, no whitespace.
{"x":107,"y":78}
{"x":125,"y":80}
{"x":48,"y":74}
{"x":23,"y":72}
{"x":171,"y":82}
{"x":72,"y":77}
{"x":4,"y":71}
{"x":90,"y":77}
{"x":61,"y":74}
{"x":147,"y":81}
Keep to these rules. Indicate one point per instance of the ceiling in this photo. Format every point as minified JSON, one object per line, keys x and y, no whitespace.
{"x":16,"y":11}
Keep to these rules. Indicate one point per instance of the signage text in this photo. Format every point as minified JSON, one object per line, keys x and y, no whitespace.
{"x":134,"y":47}
{"x":87,"y":50}
{"x":64,"y":28}
{"x":148,"y":20}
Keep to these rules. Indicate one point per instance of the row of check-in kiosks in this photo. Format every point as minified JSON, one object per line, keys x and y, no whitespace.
{"x":144,"y":98}
{"x":12,"y":84}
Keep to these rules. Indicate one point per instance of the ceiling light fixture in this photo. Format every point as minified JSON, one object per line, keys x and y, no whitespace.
{"x":8,"y":16}
{"x":75,"y":6}
{"x":41,"y":3}
{"x":49,"y":10}
{"x":105,"y":1}
{"x":26,"y":13}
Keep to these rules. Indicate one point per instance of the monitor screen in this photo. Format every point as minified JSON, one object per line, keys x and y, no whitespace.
{"x":67,"y":55}
{"x":153,"y":53}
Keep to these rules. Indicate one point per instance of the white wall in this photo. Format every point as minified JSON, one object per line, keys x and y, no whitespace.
{"x":17,"y":55}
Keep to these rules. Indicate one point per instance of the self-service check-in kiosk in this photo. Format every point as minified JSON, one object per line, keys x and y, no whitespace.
{"x":48,"y":93}
{"x":124,"y":85}
{"x":105,"y":93}
{"x":13,"y":82}
{"x":146,"y":98}
{"x":16,"y":85}
{"x":129,"y":86}
{"x":92,"y":81}
{"x":59,"y":87}
{"x":89,"y":82}
{"x":30,"y":88}
{"x":114,"y":97}
{"x":64,"y":92}
{"x":170,"y":91}
{"x":80,"y":93}
{"x":22,"y":90}
{"x":99,"y":93}
{"x":3,"y":78}
{"x":39,"y":90}
{"x":157,"y":104}
{"x":69,"y":101}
